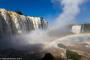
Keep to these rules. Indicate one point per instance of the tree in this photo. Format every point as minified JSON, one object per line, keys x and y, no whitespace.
{"x":19,"y":12}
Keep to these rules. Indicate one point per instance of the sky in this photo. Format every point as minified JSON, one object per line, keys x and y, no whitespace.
{"x":44,"y":8}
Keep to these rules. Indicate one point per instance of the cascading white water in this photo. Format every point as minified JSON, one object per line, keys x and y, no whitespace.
{"x":12,"y":22}
{"x":76,"y":29}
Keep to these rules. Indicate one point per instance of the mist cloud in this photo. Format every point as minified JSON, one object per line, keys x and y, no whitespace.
{"x":71,"y":8}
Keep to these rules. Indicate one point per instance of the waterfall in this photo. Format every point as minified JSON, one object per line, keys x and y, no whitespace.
{"x":81,"y":28}
{"x":76,"y":29}
{"x":12,"y":22}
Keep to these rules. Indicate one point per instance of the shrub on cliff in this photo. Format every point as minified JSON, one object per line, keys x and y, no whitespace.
{"x":72,"y":55}
{"x":19,"y":12}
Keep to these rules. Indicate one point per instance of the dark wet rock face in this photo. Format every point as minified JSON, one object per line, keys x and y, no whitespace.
{"x":27,"y":54}
{"x":10,"y":53}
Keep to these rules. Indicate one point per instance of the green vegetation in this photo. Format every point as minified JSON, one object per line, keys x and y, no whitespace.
{"x":72,"y":55}
{"x":19,"y":12}
{"x":61,"y":46}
